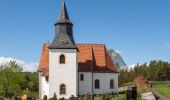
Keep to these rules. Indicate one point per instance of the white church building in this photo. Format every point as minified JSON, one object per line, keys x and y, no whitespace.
{"x":67,"y":68}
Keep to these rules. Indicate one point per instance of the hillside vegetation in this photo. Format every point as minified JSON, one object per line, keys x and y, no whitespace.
{"x":153,"y":71}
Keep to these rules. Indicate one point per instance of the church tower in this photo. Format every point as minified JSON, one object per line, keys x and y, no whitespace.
{"x":63,"y":31}
{"x":63,"y":64}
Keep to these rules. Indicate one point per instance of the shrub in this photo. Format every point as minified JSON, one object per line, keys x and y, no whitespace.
{"x":54,"y":97}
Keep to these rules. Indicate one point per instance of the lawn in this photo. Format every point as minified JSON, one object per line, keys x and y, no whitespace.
{"x":163,"y":89}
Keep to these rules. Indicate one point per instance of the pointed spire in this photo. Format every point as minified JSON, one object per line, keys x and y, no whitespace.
{"x":63,"y":31}
{"x":64,"y":17}
{"x":64,"y":14}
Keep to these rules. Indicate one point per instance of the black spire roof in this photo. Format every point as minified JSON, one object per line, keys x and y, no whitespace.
{"x":64,"y":18}
{"x":64,"y":36}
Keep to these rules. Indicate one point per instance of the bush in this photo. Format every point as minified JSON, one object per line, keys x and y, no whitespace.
{"x":54,"y":97}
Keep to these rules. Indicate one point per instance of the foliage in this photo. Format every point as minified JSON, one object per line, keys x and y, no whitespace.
{"x":112,"y":97}
{"x":141,"y":83}
{"x":54,"y":97}
{"x":153,"y":71}
{"x":15,"y":82}
{"x":29,"y":84}
{"x":9,"y":78}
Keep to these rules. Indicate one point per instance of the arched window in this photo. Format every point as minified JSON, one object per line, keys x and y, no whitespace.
{"x":81,"y":77}
{"x":62,"y":89}
{"x":97,"y":84}
{"x":111,"y":84}
{"x":46,"y":78}
{"x":45,"y":97}
{"x":62,"y":59}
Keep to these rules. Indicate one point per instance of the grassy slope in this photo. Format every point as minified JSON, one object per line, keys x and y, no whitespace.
{"x":163,"y":89}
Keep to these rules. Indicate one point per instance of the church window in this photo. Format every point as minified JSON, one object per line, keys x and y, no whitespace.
{"x":62,"y":89}
{"x":97,"y":84}
{"x":111,"y":84}
{"x":45,"y":97}
{"x":46,"y":78}
{"x":62,"y":59}
{"x":81,"y":77}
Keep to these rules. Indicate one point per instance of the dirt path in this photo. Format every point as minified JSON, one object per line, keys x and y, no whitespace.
{"x":160,"y":97}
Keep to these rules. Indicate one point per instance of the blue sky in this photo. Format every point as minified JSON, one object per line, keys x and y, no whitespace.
{"x":138,"y":29}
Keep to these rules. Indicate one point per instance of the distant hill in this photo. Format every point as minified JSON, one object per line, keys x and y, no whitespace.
{"x":117,"y":59}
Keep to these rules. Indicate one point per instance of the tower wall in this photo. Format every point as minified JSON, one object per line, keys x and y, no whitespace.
{"x":63,"y":73}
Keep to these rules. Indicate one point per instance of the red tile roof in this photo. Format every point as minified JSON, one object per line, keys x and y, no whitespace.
{"x":91,"y":57}
{"x":44,"y":60}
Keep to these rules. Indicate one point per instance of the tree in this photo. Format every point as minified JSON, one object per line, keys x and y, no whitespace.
{"x":55,"y":96}
{"x":153,"y":71}
{"x":29,"y":84}
{"x":9,"y":78}
{"x":141,"y":83}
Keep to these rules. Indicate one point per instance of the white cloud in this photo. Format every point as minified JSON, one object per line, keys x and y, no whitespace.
{"x":30,"y":67}
{"x":132,"y":66}
{"x":129,"y":67}
{"x":118,"y":51}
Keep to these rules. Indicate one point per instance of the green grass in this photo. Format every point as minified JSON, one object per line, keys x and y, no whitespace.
{"x":122,"y":97}
{"x":6,"y":99}
{"x":118,"y":97}
{"x":163,"y":89}
{"x":112,"y":97}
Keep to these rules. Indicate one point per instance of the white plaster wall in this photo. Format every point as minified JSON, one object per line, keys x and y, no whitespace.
{"x":63,"y":73}
{"x":105,"y":82}
{"x":40,"y":85}
{"x":43,"y":87}
{"x":86,"y":85}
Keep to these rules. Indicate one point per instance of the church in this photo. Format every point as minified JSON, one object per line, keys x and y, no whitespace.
{"x":67,"y":68}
